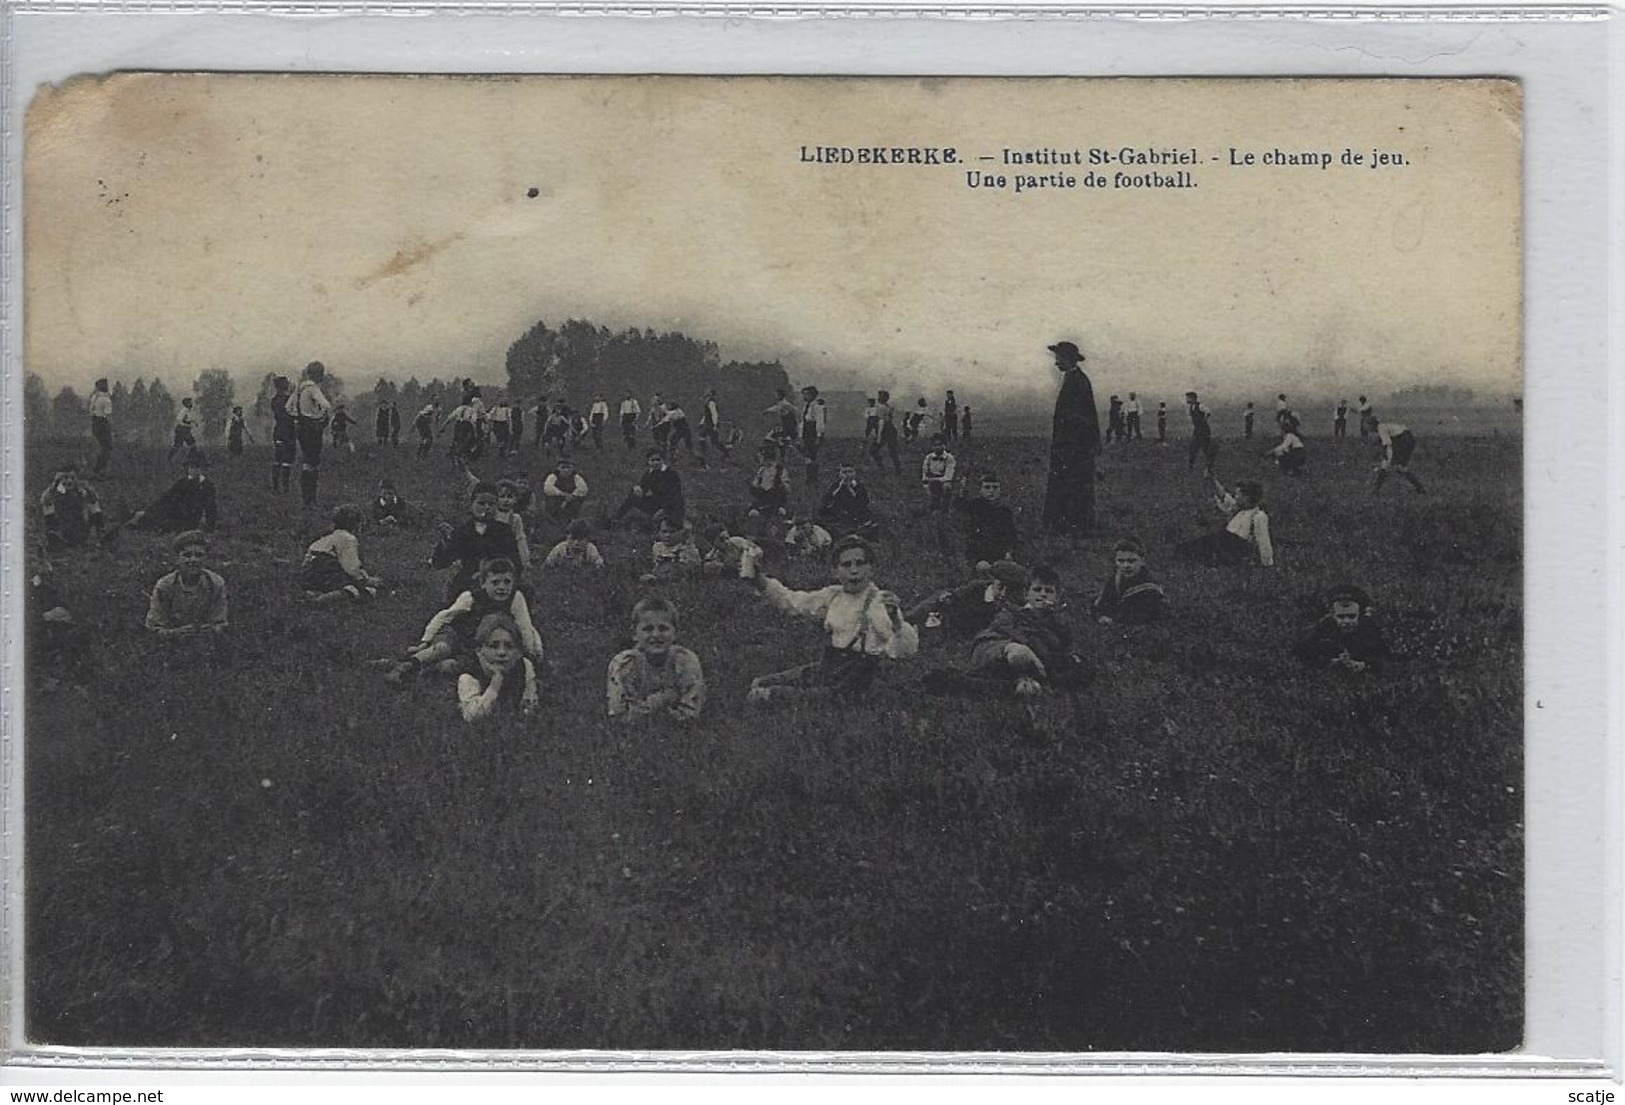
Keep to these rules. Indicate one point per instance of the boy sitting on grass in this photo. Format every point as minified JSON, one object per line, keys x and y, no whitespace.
{"x":770,"y":486}
{"x":189,"y":504}
{"x":478,"y":538}
{"x":499,"y":678}
{"x":1129,"y":595}
{"x":388,"y":508}
{"x":845,"y":507}
{"x":71,"y":509}
{"x":448,"y":639}
{"x":674,"y":552}
{"x":861,"y":622}
{"x":1247,"y":532}
{"x":332,"y":570}
{"x":563,"y":492}
{"x":659,"y":489}
{"x":806,"y":538}
{"x":722,"y":552}
{"x":656,"y":677}
{"x":575,"y":551}
{"x":191,"y":600}
{"x":1346,"y":636}
{"x":1032,"y":645}
{"x":990,"y":526}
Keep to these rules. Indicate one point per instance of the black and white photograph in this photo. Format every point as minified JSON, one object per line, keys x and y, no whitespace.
{"x":774,"y":564}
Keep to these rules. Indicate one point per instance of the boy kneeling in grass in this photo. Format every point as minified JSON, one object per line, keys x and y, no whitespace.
{"x":863,"y":623}
{"x":332,"y":570}
{"x":656,"y":677}
{"x":191,"y":600}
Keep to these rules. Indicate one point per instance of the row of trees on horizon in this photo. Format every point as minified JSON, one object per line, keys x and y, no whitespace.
{"x":578,"y":361}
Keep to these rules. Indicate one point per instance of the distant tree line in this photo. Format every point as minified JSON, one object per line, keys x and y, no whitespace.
{"x":581,"y":361}
{"x":578,"y":362}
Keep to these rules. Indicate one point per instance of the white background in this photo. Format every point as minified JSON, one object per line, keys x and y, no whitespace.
{"x":1573,"y":530}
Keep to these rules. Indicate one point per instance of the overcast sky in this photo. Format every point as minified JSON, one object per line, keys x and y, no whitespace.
{"x":385,"y":226}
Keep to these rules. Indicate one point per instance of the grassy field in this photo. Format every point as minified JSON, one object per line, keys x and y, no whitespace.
{"x":262,"y":843}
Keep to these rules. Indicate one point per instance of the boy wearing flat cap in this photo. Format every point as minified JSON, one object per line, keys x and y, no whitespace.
{"x":1346,"y":636}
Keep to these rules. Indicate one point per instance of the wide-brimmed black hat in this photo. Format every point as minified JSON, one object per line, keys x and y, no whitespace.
{"x":1067,"y":349}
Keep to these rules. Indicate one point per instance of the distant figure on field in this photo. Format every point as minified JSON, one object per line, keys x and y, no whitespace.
{"x":101,"y":425}
{"x":236,"y":430}
{"x":950,"y":417}
{"x":1398,"y":444}
{"x":1289,"y":455}
{"x":310,"y":410}
{"x":185,"y":425}
{"x":1201,"y":443}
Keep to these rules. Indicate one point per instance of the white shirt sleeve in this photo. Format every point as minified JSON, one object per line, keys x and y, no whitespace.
{"x":474,"y":702}
{"x":464,"y":604}
{"x":810,"y":604}
{"x":529,"y":639}
{"x":1261,"y":536}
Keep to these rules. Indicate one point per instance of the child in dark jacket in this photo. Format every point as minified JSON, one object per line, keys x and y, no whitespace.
{"x":1346,"y":637}
{"x":1129,"y":595}
{"x":190,"y":502}
{"x":479,"y":538}
{"x":964,"y":611}
{"x":659,"y":489}
{"x":845,"y":507}
{"x":990,"y":526}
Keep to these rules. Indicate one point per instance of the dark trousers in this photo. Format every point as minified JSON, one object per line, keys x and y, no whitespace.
{"x":102,"y":430}
{"x":1203,"y":444}
{"x":629,"y":429}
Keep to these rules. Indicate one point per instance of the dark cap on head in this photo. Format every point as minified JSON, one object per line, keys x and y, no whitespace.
{"x":1068,"y":351}
{"x":1347,"y":592}
{"x":1009,"y":573}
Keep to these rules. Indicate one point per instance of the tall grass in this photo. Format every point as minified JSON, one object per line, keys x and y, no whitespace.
{"x":260,"y":843}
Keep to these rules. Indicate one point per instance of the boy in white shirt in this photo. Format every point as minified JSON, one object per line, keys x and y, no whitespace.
{"x":937,"y":473}
{"x":1247,"y":531}
{"x":864,"y":624}
{"x":332,"y":570}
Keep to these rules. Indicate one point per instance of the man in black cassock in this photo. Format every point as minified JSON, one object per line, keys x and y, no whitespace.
{"x":1069,"y":497}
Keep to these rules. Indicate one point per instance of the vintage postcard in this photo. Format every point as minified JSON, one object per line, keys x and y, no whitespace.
{"x":774,"y":564}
